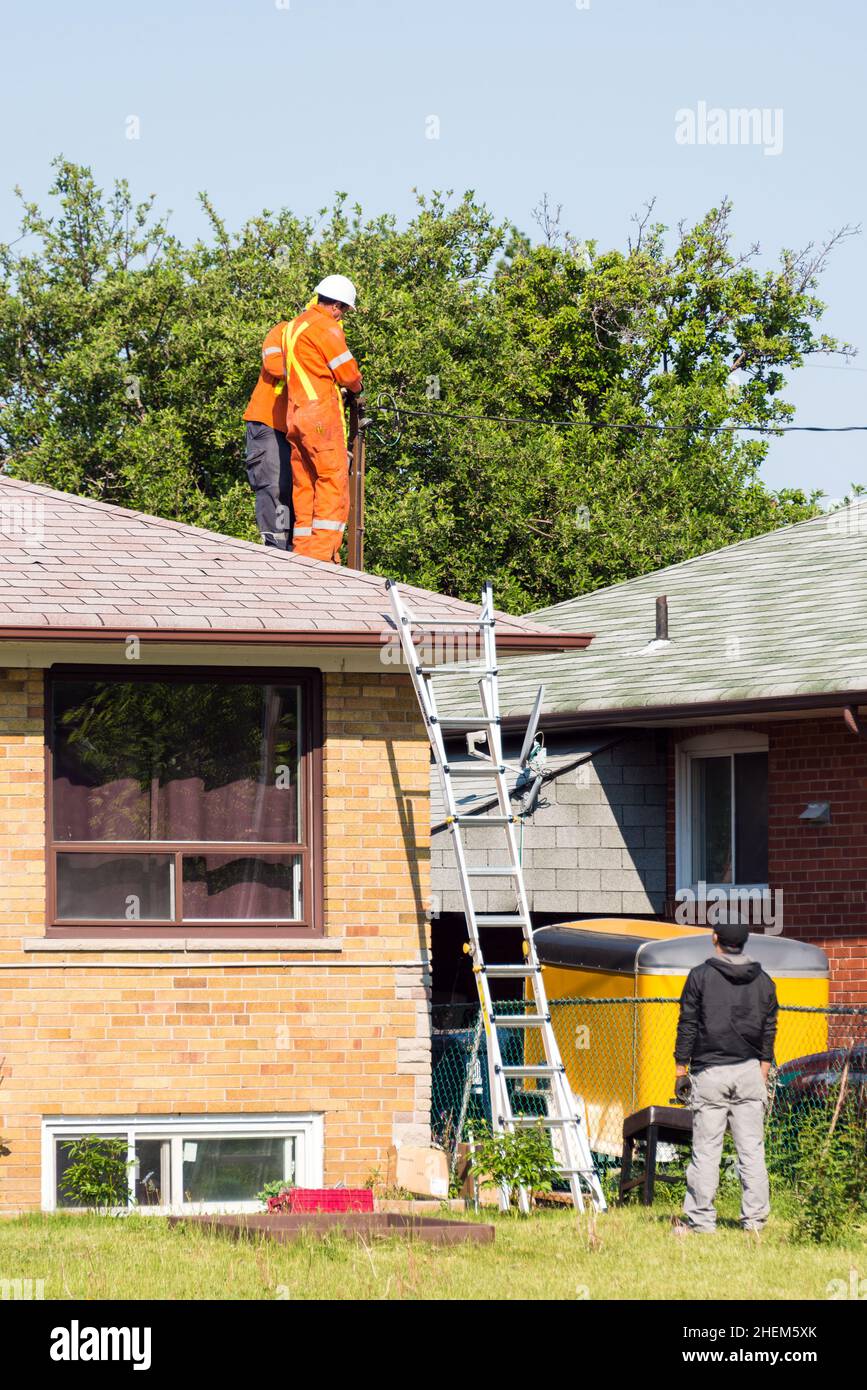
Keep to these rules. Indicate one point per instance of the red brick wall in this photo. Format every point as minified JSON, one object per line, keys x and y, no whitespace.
{"x":821,"y":869}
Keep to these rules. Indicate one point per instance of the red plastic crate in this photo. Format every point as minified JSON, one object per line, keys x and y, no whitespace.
{"x":331,"y":1199}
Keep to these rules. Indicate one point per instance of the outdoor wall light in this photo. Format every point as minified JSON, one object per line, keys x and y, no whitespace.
{"x":816,"y":812}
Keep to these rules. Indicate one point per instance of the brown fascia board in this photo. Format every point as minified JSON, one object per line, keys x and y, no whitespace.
{"x":332,"y":637}
{"x":639,"y":715}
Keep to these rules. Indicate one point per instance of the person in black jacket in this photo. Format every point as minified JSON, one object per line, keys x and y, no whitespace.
{"x":725,"y":1038}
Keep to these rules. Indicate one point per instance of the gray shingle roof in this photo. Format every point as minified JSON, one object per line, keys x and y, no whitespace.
{"x":73,"y":565}
{"x":779,"y":615}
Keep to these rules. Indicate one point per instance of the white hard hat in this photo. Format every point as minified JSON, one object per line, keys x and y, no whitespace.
{"x":337,"y":287}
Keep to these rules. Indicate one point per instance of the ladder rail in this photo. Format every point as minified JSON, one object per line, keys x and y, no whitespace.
{"x":496,"y":1081}
{"x":427,"y":701}
{"x":564,"y":1118}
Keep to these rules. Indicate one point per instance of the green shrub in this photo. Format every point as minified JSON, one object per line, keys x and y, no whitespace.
{"x":273,"y":1189}
{"x":831,"y":1167}
{"x":523,"y":1159}
{"x":97,"y":1175}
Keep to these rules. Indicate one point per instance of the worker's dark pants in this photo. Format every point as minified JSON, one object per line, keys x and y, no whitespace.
{"x":269,"y":469}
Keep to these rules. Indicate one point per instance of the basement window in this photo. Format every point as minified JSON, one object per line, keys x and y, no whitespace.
{"x":722,"y":811}
{"x":184,"y":801}
{"x":177,"y":1164}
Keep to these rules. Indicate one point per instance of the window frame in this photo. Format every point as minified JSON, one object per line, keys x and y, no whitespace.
{"x":724,"y":743}
{"x":306,"y":1129}
{"x":311,"y":850}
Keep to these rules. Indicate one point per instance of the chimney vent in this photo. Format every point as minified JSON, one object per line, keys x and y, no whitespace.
{"x":662,"y":618}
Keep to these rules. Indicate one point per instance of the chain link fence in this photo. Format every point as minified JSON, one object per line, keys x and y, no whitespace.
{"x":619,"y":1057}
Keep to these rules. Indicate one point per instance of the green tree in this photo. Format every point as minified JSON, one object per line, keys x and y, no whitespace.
{"x":126,"y":360}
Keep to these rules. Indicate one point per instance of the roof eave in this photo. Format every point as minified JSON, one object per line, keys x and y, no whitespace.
{"x":511,"y":642}
{"x":703,"y":710}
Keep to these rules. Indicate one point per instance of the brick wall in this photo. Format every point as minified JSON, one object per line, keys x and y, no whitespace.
{"x":346,"y":1034}
{"x":821,"y":869}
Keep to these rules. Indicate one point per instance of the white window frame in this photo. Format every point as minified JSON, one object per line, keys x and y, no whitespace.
{"x":723,"y":743}
{"x":306,"y":1130}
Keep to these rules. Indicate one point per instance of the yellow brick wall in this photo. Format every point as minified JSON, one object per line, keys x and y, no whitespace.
{"x":344,"y":1034}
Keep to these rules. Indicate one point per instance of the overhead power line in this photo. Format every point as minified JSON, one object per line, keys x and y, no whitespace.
{"x":646,"y":426}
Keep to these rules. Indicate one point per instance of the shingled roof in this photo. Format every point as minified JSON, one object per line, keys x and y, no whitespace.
{"x":78,"y":568}
{"x":774,"y":622}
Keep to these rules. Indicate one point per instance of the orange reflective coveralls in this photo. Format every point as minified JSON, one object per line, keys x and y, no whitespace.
{"x":267,"y":405}
{"x":318,"y":363}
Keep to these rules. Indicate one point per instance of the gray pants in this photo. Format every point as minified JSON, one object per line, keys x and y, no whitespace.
{"x":269,"y":470}
{"x":733,"y":1095}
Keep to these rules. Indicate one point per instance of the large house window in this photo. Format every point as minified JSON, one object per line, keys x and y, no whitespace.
{"x":722,"y":810}
{"x":183,"y":801}
{"x":192,"y":1163}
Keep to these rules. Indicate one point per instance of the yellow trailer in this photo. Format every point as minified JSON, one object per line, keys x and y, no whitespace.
{"x":625,"y":977}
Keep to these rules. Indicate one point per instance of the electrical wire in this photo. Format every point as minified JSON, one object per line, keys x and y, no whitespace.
{"x":609,"y":425}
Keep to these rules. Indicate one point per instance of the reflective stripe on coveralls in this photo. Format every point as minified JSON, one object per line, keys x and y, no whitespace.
{"x":306,"y":383}
{"x":338,"y":361}
{"x":291,"y":364}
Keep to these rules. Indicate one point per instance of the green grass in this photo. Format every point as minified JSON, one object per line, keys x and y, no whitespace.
{"x":553,"y":1254}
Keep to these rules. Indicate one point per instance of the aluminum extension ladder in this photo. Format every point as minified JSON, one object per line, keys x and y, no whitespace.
{"x":564,"y":1114}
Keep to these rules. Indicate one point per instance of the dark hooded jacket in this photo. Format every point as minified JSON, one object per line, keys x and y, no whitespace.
{"x":728,"y":1013}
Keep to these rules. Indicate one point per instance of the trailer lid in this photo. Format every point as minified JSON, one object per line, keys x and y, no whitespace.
{"x":630,"y":946}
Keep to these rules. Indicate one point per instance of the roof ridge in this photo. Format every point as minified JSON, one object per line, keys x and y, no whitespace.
{"x":146,"y":518}
{"x":765,"y":536}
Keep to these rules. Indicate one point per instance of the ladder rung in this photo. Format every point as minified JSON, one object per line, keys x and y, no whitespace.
{"x":492,"y":870}
{"x":499,"y":919}
{"x":449,"y":622}
{"x":470,"y":722}
{"x":510,"y":972}
{"x":549,"y":1121}
{"x":576,"y":1172}
{"x":474,"y":769}
{"x":519,"y":1020}
{"x":482,"y":820}
{"x":456,"y":671}
{"x":530,"y":1071}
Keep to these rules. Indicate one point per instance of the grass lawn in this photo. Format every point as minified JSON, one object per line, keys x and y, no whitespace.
{"x":553,"y":1254}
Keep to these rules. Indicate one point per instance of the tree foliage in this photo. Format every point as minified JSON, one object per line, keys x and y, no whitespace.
{"x":126,"y":360}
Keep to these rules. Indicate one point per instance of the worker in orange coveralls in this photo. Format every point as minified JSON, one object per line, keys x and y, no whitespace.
{"x":269,"y":456}
{"x":318,"y":364}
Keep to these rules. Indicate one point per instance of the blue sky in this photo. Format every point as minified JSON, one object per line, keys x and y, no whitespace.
{"x":266,"y":103}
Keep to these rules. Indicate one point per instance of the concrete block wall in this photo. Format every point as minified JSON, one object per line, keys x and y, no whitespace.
{"x":598,"y":846}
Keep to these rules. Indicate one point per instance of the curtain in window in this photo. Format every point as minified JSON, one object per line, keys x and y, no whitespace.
{"x":160,"y":760}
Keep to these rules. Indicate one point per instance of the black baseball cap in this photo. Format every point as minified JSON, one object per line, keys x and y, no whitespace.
{"x":731,"y":934}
